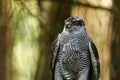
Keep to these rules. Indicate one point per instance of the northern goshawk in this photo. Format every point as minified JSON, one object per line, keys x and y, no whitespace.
{"x":75,"y":56}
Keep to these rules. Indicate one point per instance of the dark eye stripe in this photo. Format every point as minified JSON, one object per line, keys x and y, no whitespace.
{"x":75,"y":22}
{"x":80,"y":22}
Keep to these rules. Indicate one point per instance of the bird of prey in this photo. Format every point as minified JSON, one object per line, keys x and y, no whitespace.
{"x":75,"y":56}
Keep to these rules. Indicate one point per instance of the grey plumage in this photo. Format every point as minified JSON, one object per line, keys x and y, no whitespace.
{"x":75,"y":56}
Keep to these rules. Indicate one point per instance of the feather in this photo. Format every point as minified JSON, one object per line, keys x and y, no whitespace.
{"x":94,"y":60}
{"x":54,"y":51}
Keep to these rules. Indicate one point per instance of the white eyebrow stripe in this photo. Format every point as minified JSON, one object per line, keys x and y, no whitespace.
{"x":78,"y":18}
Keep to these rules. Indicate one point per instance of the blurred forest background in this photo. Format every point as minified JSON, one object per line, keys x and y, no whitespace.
{"x":28,"y":28}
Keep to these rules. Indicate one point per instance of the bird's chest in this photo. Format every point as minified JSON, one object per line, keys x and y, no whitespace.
{"x":74,"y":57}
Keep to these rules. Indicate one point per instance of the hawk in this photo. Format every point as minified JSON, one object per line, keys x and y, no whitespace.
{"x":75,"y":56}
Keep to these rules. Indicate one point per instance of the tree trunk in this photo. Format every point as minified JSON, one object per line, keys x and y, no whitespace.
{"x":26,"y":39}
{"x":5,"y":40}
{"x":115,"y":45}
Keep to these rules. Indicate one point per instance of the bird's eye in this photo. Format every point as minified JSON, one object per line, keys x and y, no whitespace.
{"x":74,"y":22}
{"x":67,"y":23}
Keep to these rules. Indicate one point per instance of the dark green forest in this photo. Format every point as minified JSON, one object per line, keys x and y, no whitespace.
{"x":29,"y":27}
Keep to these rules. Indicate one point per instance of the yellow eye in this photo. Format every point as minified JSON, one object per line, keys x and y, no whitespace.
{"x":67,"y":22}
{"x":74,"y":22}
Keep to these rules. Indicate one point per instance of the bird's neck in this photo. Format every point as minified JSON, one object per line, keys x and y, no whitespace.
{"x":80,"y":31}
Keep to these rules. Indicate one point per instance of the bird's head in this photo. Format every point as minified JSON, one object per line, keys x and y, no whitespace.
{"x":74,"y":24}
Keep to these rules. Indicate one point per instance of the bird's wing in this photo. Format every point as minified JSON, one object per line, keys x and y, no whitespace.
{"x":94,"y":60}
{"x":55,"y":50}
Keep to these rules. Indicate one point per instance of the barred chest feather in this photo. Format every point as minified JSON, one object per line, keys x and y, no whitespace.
{"x":75,"y":55}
